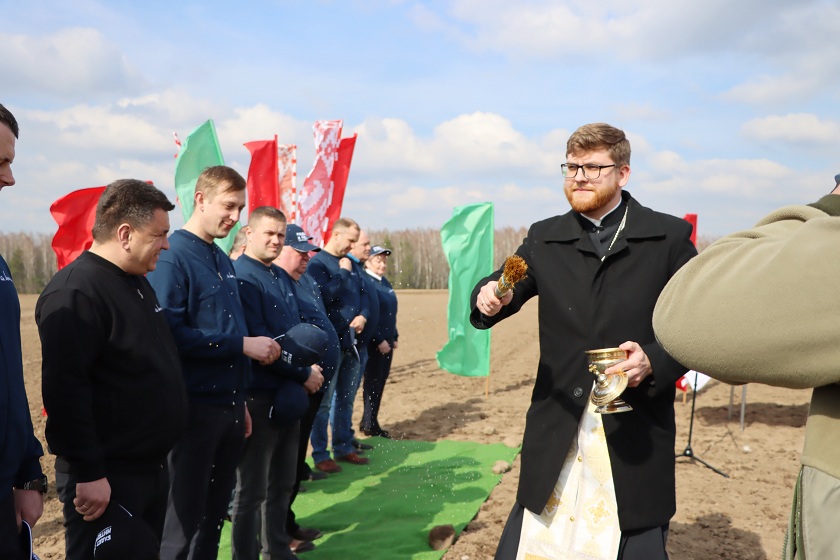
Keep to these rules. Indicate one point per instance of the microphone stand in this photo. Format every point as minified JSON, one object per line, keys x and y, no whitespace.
{"x":688,"y":452}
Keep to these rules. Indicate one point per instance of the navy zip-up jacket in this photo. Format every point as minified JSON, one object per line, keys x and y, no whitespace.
{"x":197,"y":287}
{"x":270,"y":310}
{"x":313,"y":311}
{"x":372,"y":323}
{"x":19,"y":448}
{"x":343,"y":293}
{"x":386,"y":327}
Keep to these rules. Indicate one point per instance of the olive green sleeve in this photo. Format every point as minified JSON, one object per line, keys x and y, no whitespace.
{"x":761,"y":305}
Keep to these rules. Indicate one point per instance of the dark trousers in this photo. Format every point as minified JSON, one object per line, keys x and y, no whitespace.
{"x":376,"y":374}
{"x":203,"y":470}
{"x":643,"y":544}
{"x":143,"y":495}
{"x":303,"y":468}
{"x":9,"y":534}
{"x":264,"y":482}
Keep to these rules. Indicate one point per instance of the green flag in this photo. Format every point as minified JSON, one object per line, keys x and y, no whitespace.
{"x":199,"y":151}
{"x":468,"y":244}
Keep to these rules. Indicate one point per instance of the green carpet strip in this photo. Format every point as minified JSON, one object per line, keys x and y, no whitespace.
{"x":385,"y":510}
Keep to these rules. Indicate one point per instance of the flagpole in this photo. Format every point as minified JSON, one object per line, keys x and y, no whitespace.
{"x":294,"y":184}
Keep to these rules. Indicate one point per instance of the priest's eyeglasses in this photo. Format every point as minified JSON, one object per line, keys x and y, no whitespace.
{"x":590,"y":170}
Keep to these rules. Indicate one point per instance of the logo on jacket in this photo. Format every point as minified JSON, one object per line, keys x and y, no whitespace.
{"x":4,"y":277}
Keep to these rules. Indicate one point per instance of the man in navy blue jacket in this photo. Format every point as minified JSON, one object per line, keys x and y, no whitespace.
{"x":198,"y":290}
{"x":294,"y":260}
{"x":268,"y":470}
{"x":20,"y":469}
{"x":342,"y":291}
{"x":359,"y":255}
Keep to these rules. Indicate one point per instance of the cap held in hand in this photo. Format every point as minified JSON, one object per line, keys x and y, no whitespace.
{"x":123,"y":536}
{"x":301,"y":346}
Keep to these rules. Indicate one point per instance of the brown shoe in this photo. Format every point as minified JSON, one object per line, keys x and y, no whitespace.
{"x":298,"y":546}
{"x":353,"y":458}
{"x":328,"y":466}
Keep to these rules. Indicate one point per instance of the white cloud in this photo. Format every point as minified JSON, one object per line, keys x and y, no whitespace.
{"x":766,"y":89}
{"x":796,"y":128}
{"x":473,"y":144}
{"x":399,"y":178}
{"x":621,"y":28}
{"x":72,"y":62}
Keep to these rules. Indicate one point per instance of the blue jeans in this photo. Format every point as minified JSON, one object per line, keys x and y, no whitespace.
{"x":337,"y":409}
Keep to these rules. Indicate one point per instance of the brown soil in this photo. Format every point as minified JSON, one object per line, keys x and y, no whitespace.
{"x":738,"y":518}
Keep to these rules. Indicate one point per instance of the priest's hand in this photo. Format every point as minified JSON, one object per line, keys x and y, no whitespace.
{"x":487,"y":303}
{"x":636,"y":366}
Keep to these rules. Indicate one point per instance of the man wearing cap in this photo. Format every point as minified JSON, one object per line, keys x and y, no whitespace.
{"x":340,"y":282}
{"x":294,"y":260}
{"x":111,"y":376}
{"x":23,"y":482}
{"x":268,"y":470}
{"x":383,"y":343}
{"x":761,"y":306}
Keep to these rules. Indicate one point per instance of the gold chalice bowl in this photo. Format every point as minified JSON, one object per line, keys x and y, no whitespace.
{"x":606,"y":395}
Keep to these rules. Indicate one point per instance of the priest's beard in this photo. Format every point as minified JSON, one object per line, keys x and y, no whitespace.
{"x":603,"y":195}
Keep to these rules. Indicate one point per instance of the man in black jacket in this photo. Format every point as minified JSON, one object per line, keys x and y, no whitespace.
{"x":111,"y":376}
{"x":601,"y":484}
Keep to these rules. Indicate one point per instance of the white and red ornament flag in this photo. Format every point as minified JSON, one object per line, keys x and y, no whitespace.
{"x":341,"y":170}
{"x":287,"y":166}
{"x":316,"y":193}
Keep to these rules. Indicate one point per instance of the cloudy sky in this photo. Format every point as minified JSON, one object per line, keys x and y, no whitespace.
{"x":732,"y":108}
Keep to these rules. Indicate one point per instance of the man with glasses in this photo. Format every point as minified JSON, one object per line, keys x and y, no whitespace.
{"x":592,"y":485}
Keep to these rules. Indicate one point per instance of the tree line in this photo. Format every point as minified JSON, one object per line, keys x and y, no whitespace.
{"x":417,"y":260}
{"x":30,"y":258}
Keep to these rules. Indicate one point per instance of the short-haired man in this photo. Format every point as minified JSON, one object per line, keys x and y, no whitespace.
{"x":240,"y":241}
{"x":359,"y":254}
{"x":294,"y":260}
{"x":111,"y":376}
{"x":198,"y":290}
{"x":267,"y":472}
{"x":598,"y":271}
{"x":340,"y":282}
{"x":761,"y":306}
{"x":23,"y":482}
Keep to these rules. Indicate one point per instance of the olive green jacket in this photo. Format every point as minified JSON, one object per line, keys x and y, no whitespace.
{"x":763,"y":306}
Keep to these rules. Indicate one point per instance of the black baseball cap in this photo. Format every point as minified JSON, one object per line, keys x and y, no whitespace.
{"x":298,"y":240}
{"x":122,"y":536}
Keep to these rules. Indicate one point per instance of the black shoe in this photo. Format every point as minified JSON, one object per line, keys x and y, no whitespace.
{"x":307,"y":534}
{"x":317,"y":475}
{"x":358,"y":445}
{"x":377,"y":432}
